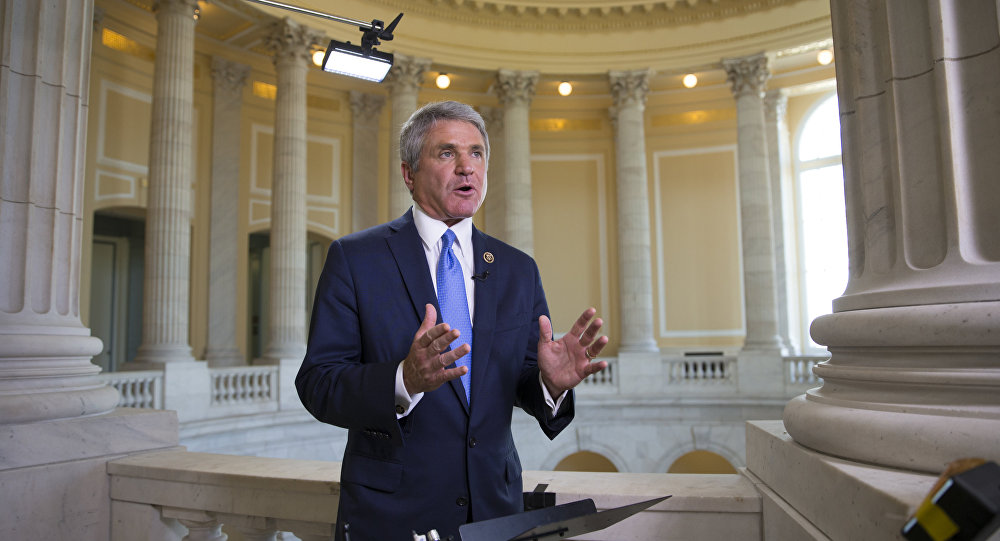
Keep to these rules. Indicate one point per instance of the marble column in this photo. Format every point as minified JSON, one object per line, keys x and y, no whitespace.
{"x":779,"y":168}
{"x":287,"y":333}
{"x":166,"y":278}
{"x":515,"y":90}
{"x":629,"y":90}
{"x":365,"y":109}
{"x":495,"y":206}
{"x":403,"y":80}
{"x":747,"y":77}
{"x":228,"y":79}
{"x":45,"y":350}
{"x":914,"y":378}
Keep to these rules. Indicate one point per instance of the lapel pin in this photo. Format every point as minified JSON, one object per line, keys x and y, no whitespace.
{"x":488,"y":257}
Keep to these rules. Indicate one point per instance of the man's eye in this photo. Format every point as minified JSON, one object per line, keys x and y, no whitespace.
{"x":446,"y":154}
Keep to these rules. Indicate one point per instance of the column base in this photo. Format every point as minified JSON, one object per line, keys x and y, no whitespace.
{"x":809,"y":495}
{"x":906,"y":439}
{"x":49,"y":375}
{"x":148,"y":356}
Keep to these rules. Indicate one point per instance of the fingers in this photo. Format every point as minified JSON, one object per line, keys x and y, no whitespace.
{"x":581,"y":322}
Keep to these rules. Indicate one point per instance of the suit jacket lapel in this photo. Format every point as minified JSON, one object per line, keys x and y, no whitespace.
{"x":407,"y":249}
{"x":484,"y":321}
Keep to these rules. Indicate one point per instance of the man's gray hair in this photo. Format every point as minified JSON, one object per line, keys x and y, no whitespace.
{"x":414,"y":131}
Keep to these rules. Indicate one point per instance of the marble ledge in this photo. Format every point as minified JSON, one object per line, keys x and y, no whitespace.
{"x":119,"y":432}
{"x":689,"y":492}
{"x":232,"y":471}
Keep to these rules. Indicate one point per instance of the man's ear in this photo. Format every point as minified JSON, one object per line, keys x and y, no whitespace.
{"x":407,"y":176}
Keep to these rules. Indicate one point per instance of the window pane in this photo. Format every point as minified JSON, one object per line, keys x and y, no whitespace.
{"x":821,"y":133}
{"x":824,"y":231}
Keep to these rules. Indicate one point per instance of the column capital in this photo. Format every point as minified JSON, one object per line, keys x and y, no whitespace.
{"x":366,"y":107}
{"x":182,"y":7}
{"x":493,"y":116}
{"x":516,"y":87}
{"x":747,"y":75}
{"x":228,"y":76}
{"x":406,"y":74}
{"x":628,"y":88}
{"x":289,"y":40}
{"x":775,"y":105}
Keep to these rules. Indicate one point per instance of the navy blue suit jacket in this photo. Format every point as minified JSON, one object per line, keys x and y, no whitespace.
{"x":445,"y":462}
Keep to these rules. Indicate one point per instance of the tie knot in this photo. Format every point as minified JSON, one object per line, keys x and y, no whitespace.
{"x":447,"y":240}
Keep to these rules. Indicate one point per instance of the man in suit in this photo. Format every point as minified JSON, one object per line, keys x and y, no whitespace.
{"x":427,"y":404}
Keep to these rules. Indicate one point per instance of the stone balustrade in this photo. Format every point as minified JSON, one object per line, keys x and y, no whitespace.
{"x":254,"y":389}
{"x":157,"y":496}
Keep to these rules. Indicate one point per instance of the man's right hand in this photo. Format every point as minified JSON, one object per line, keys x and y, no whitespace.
{"x":424,"y":367}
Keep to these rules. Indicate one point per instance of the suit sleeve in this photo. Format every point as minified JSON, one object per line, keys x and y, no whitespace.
{"x":530,"y":397}
{"x":336,"y":383}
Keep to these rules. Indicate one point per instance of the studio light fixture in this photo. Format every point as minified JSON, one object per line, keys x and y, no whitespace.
{"x":362,"y":61}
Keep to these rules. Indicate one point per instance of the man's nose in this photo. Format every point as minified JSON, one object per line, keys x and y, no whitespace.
{"x":464,"y":166}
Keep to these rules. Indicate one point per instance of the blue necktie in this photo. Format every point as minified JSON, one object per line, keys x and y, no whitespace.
{"x":454,"y":304}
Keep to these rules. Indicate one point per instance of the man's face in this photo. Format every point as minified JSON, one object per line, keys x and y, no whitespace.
{"x":451,"y":182}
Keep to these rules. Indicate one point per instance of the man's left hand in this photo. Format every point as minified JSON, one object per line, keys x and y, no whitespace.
{"x":566,"y":362}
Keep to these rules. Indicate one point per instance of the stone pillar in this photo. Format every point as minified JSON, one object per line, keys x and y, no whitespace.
{"x":366,"y":110}
{"x":779,"y":168}
{"x":495,"y":206}
{"x":914,"y":378}
{"x":629,"y":90}
{"x":515,"y":90}
{"x":45,"y":350}
{"x":747,"y":77}
{"x":403,"y":80}
{"x":229,"y":79}
{"x":287,"y":333}
{"x":166,"y":279}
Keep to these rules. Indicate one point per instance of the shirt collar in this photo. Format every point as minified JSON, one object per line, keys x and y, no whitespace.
{"x":431,"y":229}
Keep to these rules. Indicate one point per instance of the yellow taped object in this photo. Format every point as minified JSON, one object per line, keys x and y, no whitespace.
{"x":935,"y":521}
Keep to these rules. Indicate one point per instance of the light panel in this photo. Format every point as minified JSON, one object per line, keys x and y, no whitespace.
{"x":348,"y":59}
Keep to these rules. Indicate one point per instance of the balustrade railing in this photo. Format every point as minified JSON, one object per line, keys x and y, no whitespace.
{"x":138,"y":389}
{"x":799,"y":370}
{"x":701,"y":371}
{"x":603,"y":381}
{"x":244,"y":385}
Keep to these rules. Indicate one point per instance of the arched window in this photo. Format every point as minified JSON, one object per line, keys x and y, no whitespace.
{"x":822,"y":227}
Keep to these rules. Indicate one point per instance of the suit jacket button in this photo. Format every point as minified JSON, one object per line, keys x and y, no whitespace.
{"x":400,"y":409}
{"x":472,"y":442}
{"x":461,"y":502}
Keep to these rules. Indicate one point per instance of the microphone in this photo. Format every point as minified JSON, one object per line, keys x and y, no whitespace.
{"x":481,"y":277}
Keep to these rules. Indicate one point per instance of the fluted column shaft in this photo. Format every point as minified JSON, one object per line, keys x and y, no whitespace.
{"x":166,"y":279}
{"x":515,"y":90}
{"x":366,"y":110}
{"x":45,"y":350}
{"x":747,"y":77}
{"x":495,"y":205}
{"x":778,"y":162}
{"x":287,"y":333}
{"x":229,"y":79}
{"x":629,"y":90}
{"x":914,"y":377}
{"x":403,"y":80}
